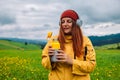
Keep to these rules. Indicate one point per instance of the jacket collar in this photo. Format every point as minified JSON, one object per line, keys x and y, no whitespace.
{"x":68,"y":38}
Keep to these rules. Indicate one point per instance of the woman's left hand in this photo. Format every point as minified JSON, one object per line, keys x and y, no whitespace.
{"x":63,"y":57}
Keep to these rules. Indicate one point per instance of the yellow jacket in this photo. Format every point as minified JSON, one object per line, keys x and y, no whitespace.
{"x":78,"y":71}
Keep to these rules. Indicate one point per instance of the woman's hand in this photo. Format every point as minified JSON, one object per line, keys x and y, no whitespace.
{"x":63,"y":57}
{"x":51,"y":51}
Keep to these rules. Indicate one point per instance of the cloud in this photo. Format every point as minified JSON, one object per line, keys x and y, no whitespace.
{"x":97,"y":11}
{"x":33,"y":19}
{"x":101,"y":29}
{"x":5,"y":18}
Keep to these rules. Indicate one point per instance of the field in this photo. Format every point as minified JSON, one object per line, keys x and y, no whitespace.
{"x":108,"y":65}
{"x":23,"y":62}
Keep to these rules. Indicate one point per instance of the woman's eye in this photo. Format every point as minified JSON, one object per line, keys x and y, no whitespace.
{"x":62,"y":21}
{"x":69,"y":21}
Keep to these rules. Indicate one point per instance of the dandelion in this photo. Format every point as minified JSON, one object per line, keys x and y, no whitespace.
{"x":32,"y":72}
{"x":109,"y":75}
{"x":14,"y":78}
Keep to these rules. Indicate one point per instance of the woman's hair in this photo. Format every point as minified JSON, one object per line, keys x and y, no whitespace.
{"x":77,"y":38}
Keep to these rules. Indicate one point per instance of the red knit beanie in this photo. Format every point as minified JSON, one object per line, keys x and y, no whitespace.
{"x":71,"y":14}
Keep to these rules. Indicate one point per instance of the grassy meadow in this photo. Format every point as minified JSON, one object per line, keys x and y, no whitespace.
{"x":23,"y":62}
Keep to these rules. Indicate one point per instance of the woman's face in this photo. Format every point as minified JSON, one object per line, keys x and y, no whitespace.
{"x":66,"y":24}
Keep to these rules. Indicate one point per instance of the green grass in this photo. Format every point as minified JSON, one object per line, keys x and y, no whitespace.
{"x":5,"y":44}
{"x":25,"y":63}
{"x":108,"y":63}
{"x":21,"y":65}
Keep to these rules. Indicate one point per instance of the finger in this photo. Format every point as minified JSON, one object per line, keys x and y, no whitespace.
{"x":60,"y":51}
{"x":61,"y":60}
{"x":51,"y":49}
{"x":51,"y":54}
{"x":61,"y":56}
{"x":50,"y":46}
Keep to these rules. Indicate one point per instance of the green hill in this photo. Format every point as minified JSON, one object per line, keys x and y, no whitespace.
{"x":109,"y":46}
{"x":6,"y":44}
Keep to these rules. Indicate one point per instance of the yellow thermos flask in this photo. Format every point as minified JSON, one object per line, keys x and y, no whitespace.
{"x":55,"y":45}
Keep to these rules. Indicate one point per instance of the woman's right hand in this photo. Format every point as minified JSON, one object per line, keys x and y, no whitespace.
{"x":51,"y":51}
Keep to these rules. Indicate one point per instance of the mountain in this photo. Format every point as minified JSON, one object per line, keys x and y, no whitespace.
{"x":107,"y":39}
{"x":96,"y":40}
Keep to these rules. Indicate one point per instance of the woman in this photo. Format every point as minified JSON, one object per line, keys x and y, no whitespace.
{"x":76,"y":58}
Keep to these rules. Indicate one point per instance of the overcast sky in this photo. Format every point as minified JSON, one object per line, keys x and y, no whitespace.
{"x":32,"y":19}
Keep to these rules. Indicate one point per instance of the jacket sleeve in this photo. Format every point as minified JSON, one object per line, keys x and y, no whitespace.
{"x":46,"y":59}
{"x":85,"y":67}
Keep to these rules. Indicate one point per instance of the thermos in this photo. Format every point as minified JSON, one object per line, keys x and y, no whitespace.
{"x":55,"y":45}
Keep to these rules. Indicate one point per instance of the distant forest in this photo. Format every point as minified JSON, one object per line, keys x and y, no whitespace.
{"x":103,"y":40}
